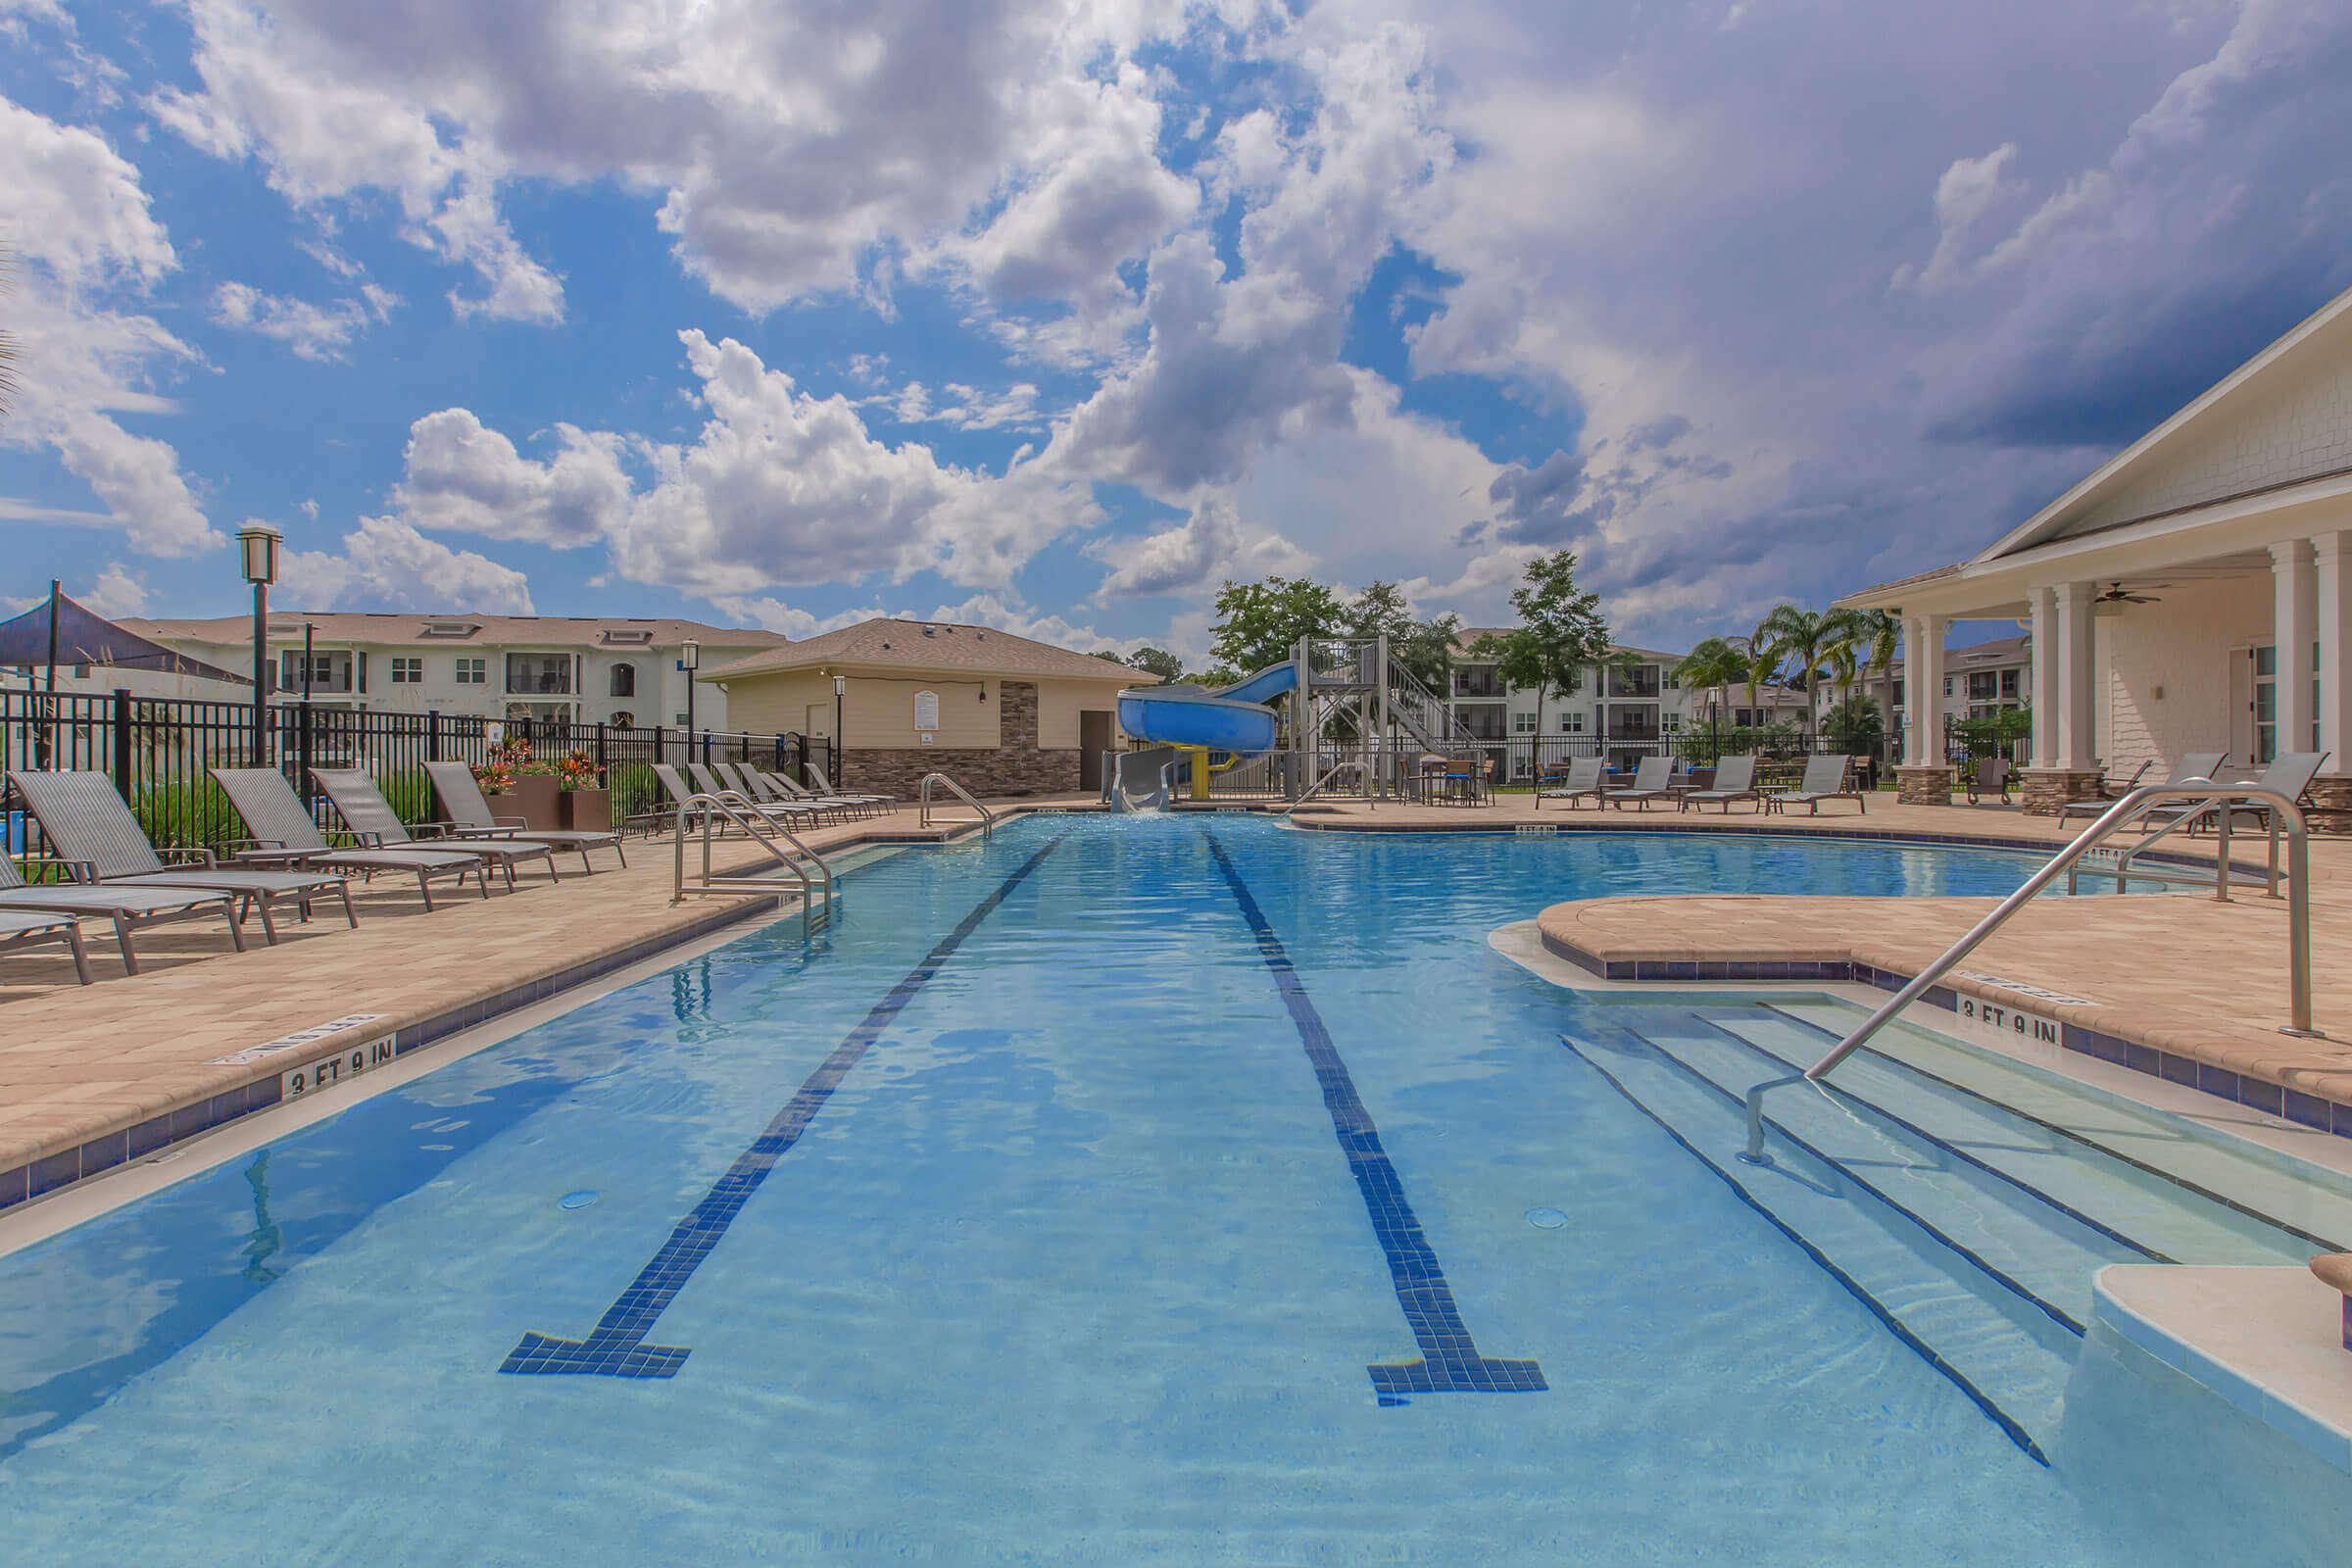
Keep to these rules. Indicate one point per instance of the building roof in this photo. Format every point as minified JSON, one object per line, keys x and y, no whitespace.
{"x":1467,"y":635}
{"x":458,"y":629}
{"x":933,"y":646}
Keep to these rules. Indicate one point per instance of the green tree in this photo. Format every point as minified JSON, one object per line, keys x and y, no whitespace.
{"x":1854,"y":725}
{"x":1798,"y":641}
{"x":1156,"y":662}
{"x":1423,"y":648}
{"x":1259,"y":623}
{"x":1715,"y":666}
{"x":1870,"y":638}
{"x":1561,"y":630}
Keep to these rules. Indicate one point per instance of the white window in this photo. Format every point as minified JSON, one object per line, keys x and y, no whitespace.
{"x":473,"y":671}
{"x":1572,"y":721}
{"x":926,"y":710}
{"x":1523,"y":724}
{"x":1948,"y":685}
{"x":1672,"y":724}
{"x":407,"y":670}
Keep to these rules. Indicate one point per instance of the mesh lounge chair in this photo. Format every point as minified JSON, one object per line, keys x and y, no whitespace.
{"x":2289,"y":773}
{"x":780,"y":787}
{"x":128,"y":906}
{"x":1734,"y":780}
{"x":1653,"y":780}
{"x":21,"y":928}
{"x":467,"y":815}
{"x":1823,"y":780}
{"x":1583,"y":782}
{"x":705,"y":782}
{"x":376,"y":826}
{"x":2192,"y":764}
{"x":748,"y":781}
{"x":93,"y":832}
{"x":817,"y":783}
{"x":283,"y":833}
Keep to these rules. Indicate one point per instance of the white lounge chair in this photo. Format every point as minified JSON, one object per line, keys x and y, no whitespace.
{"x":1652,"y":781}
{"x":1825,"y":780}
{"x":1581,"y":783}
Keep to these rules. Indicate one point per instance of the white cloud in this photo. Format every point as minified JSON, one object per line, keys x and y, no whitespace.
{"x":463,"y":477}
{"x":387,"y":565}
{"x":1969,"y":189}
{"x":114,"y":593}
{"x":1210,"y":545}
{"x":313,"y":331}
{"x":86,"y":237}
{"x":967,"y":407}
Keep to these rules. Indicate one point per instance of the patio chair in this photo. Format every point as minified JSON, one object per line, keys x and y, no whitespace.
{"x":466,"y":816}
{"x":127,"y":906}
{"x":2194,"y":767}
{"x":23,"y":928}
{"x":780,"y":787}
{"x":376,"y":826}
{"x":92,"y":831}
{"x":2289,"y":773}
{"x":1582,"y":782}
{"x":760,"y":790}
{"x":1986,"y":775}
{"x":1734,"y":780}
{"x":284,"y":833}
{"x":705,"y":782}
{"x":1823,"y":780}
{"x":817,"y":783}
{"x":2111,"y":792}
{"x":1653,"y":780}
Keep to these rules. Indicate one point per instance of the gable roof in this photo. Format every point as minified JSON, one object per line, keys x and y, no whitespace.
{"x":933,"y":646}
{"x":461,"y":630}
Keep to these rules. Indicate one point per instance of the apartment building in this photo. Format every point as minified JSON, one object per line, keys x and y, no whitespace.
{"x":620,"y":670}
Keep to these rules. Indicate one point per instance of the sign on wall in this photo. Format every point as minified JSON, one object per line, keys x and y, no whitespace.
{"x":926,"y":711}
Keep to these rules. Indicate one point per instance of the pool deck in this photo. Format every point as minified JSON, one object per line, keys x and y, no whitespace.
{"x":91,"y":1076}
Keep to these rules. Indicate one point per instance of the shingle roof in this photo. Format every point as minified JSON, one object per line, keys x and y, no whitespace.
{"x":932,"y":645}
{"x":1901,"y":583}
{"x":565,"y":631}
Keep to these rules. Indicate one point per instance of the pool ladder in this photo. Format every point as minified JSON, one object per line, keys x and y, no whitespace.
{"x":811,"y":877}
{"x":2219,"y":800}
{"x":988,"y":818}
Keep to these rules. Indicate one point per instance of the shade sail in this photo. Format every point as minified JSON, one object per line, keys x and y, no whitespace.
{"x":86,"y":637}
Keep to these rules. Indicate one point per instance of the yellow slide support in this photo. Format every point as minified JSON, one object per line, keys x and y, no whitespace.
{"x":1201,"y":766}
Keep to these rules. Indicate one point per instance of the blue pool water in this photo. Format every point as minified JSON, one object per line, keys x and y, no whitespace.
{"x":1126,"y":1190}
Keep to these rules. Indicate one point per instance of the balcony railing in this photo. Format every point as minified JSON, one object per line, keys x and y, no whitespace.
{"x":538,"y":678}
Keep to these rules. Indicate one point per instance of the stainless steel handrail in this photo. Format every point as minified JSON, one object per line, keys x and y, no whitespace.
{"x":988,"y":818}
{"x":2130,"y":807}
{"x":1354,"y":763}
{"x":757,"y":824}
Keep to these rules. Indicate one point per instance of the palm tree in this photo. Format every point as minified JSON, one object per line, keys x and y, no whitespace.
{"x":1714,"y":665}
{"x":1869,"y":637}
{"x":1800,"y":639}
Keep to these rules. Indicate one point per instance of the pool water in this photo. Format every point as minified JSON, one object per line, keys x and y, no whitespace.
{"x":1124,"y":1190}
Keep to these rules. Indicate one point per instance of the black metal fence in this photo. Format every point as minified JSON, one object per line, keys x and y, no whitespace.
{"x":160,"y":751}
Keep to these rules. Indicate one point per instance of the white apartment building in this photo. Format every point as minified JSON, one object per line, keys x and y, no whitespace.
{"x":615,"y":670}
{"x":1628,"y":709}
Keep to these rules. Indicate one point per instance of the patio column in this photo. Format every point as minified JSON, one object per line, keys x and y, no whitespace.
{"x":1924,"y":779}
{"x":2078,"y":680}
{"x":2294,"y":625}
{"x":2044,"y":694}
{"x":2331,"y":791}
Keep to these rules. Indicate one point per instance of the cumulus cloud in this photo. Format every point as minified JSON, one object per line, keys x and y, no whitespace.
{"x":313,"y":331}
{"x":1207,"y":547}
{"x":386,"y":565}
{"x":114,"y":593}
{"x":461,"y":476}
{"x":91,"y":250}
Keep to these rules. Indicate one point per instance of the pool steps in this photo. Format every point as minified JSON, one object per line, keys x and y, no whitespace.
{"x":1972,"y":1230}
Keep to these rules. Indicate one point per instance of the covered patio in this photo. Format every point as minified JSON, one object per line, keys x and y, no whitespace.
{"x":2193,"y":594}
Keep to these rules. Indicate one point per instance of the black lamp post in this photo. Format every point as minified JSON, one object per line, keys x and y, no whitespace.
{"x":257,"y":547}
{"x":841,"y":684}
{"x":692,"y":659}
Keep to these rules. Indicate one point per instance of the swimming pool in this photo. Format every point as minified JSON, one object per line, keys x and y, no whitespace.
{"x":1123,"y":1189}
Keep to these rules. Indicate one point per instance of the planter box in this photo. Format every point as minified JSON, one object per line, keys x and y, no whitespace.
{"x":537,"y":800}
{"x":587,"y":811}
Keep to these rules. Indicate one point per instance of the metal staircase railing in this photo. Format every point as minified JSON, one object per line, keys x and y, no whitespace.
{"x":1354,"y":764}
{"x":988,"y":818}
{"x":2207,"y":797}
{"x":778,"y":840}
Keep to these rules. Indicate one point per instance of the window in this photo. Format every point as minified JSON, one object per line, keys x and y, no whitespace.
{"x":1948,"y":685}
{"x":1674,"y":682}
{"x":2009,"y":683}
{"x":473,"y":671}
{"x":624,"y":680}
{"x":1523,"y":724}
{"x":539,"y":674}
{"x":407,"y":670}
{"x":1671,"y":723}
{"x":1572,"y":721}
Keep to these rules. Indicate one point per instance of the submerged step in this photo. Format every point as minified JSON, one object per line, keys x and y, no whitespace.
{"x":2001,"y":1349}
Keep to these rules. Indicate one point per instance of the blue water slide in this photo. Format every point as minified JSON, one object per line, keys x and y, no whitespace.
{"x":1224,"y":718}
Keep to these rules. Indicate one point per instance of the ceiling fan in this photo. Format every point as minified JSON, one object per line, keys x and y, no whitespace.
{"x":2115,"y":594}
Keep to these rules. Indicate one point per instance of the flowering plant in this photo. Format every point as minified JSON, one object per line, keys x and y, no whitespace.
{"x":577,"y":770}
{"x":495,"y":776}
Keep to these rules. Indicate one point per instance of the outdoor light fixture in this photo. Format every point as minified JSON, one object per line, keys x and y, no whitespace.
{"x":841,"y":684}
{"x":692,"y":659}
{"x":257,"y":551}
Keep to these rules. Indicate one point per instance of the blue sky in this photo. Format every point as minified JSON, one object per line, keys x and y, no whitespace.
{"x":1053,"y":315}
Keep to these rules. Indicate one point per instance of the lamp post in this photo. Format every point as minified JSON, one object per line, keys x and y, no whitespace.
{"x":257,"y":547}
{"x":692,"y":660}
{"x":841,"y":684}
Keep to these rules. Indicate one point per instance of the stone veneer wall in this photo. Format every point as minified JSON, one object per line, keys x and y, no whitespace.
{"x":1018,"y":766}
{"x":2046,"y":789}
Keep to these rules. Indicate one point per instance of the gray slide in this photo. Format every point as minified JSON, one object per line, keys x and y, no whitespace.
{"x":1139,"y":781}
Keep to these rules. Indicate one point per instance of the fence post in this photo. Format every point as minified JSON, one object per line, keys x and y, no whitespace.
{"x":123,"y":741}
{"x":304,"y":750}
{"x":432,"y":734}
{"x":658,"y":756}
{"x":602,"y":761}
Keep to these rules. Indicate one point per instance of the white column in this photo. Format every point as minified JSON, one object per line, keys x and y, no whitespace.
{"x":2294,"y":621}
{"x":1923,"y":659}
{"x":2043,"y":692}
{"x":1913,"y":634}
{"x":2332,"y":563}
{"x":2078,"y":680}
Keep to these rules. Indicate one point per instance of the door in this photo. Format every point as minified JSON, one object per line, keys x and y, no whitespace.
{"x":1094,"y":739}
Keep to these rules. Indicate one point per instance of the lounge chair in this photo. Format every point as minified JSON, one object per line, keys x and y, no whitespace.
{"x":127,"y":906}
{"x":467,"y":815}
{"x":1583,"y":782}
{"x":1734,"y":780}
{"x":1653,"y":780}
{"x":817,"y":784}
{"x":21,"y":928}
{"x":705,"y":782}
{"x":284,"y":834}
{"x":1985,"y":776}
{"x":2289,"y":773}
{"x":376,"y":826}
{"x":2192,"y":764}
{"x":1823,"y":780}
{"x":780,"y":787}
{"x":91,"y":829}
{"x":747,"y":781}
